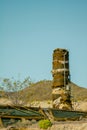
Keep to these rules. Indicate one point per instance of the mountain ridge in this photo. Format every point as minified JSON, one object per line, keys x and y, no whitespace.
{"x":42,"y":90}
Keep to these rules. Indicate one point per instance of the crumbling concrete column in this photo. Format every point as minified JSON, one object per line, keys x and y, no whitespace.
{"x":61,"y":79}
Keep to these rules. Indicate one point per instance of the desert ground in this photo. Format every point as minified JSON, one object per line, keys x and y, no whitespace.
{"x":79,"y":106}
{"x":68,"y":125}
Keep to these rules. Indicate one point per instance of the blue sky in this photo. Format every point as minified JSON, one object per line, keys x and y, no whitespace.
{"x":31,"y":29}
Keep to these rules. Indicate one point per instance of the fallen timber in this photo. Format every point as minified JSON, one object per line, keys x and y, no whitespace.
{"x":65,"y":115}
{"x":18,"y":113}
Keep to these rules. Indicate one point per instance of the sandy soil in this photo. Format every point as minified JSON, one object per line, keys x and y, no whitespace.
{"x":70,"y":126}
{"x":57,"y":126}
{"x":81,"y":106}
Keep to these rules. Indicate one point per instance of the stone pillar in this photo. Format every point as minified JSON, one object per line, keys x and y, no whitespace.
{"x":61,"y":79}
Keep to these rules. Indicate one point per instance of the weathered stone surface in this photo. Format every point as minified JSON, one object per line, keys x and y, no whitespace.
{"x":61,"y":78}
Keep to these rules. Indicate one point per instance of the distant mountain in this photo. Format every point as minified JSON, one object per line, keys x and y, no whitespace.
{"x":78,"y":93}
{"x":39,"y":91}
{"x":42,"y":90}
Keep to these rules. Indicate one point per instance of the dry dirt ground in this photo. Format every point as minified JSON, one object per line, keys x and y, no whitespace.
{"x":57,"y":126}
{"x":80,"y":105}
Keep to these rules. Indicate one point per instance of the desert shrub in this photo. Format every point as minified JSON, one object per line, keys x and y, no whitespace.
{"x":44,"y":124}
{"x":49,"y":102}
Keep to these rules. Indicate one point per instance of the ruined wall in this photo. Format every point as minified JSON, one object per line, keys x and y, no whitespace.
{"x":61,"y":79}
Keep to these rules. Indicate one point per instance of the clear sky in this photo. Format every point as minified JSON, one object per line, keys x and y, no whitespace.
{"x":31,"y":29}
